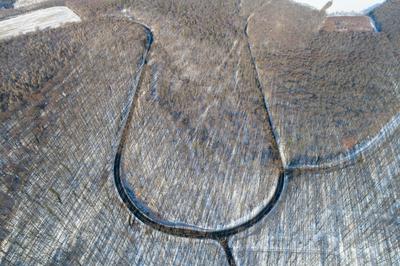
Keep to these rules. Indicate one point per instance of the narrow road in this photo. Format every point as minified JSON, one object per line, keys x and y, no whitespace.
{"x":222,"y":235}
{"x":181,"y":229}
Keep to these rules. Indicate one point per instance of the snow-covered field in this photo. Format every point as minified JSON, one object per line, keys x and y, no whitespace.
{"x":40,"y":19}
{"x":22,"y":3}
{"x":343,"y":7}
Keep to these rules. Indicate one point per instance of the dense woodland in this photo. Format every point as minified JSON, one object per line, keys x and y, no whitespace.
{"x":58,"y":85}
{"x":344,"y":84}
{"x":387,"y":19}
{"x":35,"y":63}
{"x":199,"y":147}
{"x":215,"y":21}
{"x":40,"y":60}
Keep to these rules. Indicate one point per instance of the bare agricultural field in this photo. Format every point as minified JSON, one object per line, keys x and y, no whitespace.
{"x":348,"y":23}
{"x":40,"y":19}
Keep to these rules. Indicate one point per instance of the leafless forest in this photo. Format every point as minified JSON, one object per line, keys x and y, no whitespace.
{"x":200,"y":132}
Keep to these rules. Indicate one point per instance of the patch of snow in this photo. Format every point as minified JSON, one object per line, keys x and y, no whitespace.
{"x":373,"y":24}
{"x":23,"y":3}
{"x":40,"y":19}
{"x":343,"y":7}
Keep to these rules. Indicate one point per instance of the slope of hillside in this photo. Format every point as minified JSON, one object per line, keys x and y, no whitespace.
{"x":205,"y":132}
{"x":218,"y":164}
{"x":330,"y":93}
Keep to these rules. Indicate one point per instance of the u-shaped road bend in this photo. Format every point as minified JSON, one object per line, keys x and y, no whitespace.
{"x":180,"y":229}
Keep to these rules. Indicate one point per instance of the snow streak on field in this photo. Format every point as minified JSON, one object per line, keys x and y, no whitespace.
{"x":343,"y":6}
{"x":40,"y":19}
{"x":22,"y":3}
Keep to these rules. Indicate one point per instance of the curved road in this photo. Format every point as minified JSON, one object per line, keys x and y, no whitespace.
{"x":222,"y":235}
{"x":186,"y":230}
